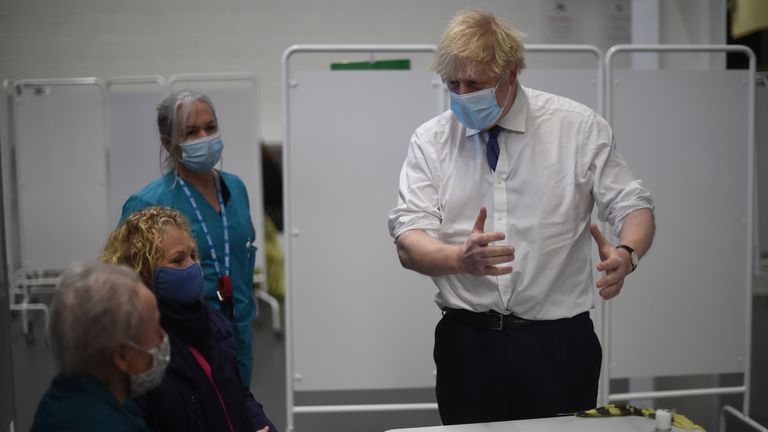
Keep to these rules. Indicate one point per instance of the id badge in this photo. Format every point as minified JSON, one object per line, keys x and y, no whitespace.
{"x":224,"y":288}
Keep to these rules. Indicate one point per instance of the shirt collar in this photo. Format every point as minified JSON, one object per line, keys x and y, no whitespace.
{"x":515,"y":118}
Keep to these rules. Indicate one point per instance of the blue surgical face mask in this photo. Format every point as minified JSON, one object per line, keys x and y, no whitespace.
{"x":202,"y":154}
{"x":180,"y":286}
{"x":477,"y":110}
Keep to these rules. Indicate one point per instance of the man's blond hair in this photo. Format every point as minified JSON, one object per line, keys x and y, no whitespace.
{"x":478,"y":40}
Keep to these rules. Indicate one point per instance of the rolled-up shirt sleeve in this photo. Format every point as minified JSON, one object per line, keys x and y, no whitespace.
{"x":615,"y":189}
{"x":418,"y":192}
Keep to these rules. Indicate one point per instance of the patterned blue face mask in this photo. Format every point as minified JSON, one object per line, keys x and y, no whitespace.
{"x":477,"y":110}
{"x":180,"y":286}
{"x":202,"y":154}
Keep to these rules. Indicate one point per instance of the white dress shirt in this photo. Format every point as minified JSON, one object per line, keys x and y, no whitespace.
{"x":557,"y":160}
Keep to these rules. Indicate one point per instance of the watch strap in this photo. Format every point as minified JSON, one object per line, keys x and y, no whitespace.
{"x":632,"y":255}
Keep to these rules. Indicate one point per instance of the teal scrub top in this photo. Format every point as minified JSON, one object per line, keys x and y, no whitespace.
{"x":81,"y":403}
{"x":167,"y":191}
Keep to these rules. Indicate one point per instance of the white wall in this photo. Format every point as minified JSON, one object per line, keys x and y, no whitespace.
{"x":692,"y":21}
{"x":105,"y":38}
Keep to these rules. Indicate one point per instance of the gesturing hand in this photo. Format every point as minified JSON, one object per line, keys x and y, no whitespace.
{"x":613,"y":264}
{"x":478,"y":257}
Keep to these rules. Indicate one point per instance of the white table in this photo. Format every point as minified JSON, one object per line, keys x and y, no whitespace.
{"x":565,"y":424}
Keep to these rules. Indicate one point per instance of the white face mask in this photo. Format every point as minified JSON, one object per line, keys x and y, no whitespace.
{"x":147,"y":380}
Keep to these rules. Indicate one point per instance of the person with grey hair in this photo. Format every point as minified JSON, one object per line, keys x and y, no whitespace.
{"x":107,"y":340}
{"x":495,"y":204}
{"x":216,"y":205}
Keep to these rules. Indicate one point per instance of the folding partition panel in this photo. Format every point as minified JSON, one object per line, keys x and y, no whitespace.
{"x":59,"y":135}
{"x":356,"y":320}
{"x":7,"y":400}
{"x":690,"y":135}
{"x":61,"y":184}
{"x":134,"y":151}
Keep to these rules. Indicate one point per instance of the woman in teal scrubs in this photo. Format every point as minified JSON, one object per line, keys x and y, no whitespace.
{"x":216,"y":205}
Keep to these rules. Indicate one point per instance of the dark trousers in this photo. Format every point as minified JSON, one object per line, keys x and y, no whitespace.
{"x":540,"y":370}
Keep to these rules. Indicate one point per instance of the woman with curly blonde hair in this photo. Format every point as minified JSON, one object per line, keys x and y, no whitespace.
{"x":202,"y":389}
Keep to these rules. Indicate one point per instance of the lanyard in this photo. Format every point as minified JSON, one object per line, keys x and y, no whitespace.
{"x":205,"y":228}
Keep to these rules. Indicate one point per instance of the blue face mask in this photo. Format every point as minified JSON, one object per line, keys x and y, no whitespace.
{"x":202,"y":154}
{"x":181,"y":286}
{"x":477,"y":110}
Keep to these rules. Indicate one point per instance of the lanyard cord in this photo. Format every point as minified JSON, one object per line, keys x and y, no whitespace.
{"x":205,"y":228}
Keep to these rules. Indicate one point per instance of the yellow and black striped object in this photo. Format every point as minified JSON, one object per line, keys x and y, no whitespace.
{"x":678,"y":420}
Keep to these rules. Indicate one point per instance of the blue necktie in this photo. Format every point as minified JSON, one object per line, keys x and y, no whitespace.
{"x":493,"y":147}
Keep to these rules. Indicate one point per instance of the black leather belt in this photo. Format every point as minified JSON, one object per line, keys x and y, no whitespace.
{"x":487,"y":320}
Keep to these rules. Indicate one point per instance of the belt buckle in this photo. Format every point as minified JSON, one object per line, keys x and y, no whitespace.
{"x":501,"y":321}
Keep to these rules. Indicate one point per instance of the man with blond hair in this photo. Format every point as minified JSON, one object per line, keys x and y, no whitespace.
{"x":515,"y":340}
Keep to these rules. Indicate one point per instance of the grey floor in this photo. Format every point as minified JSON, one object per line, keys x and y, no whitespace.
{"x":33,"y":369}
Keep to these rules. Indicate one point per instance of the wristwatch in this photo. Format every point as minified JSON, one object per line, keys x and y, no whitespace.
{"x":632,"y":255}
